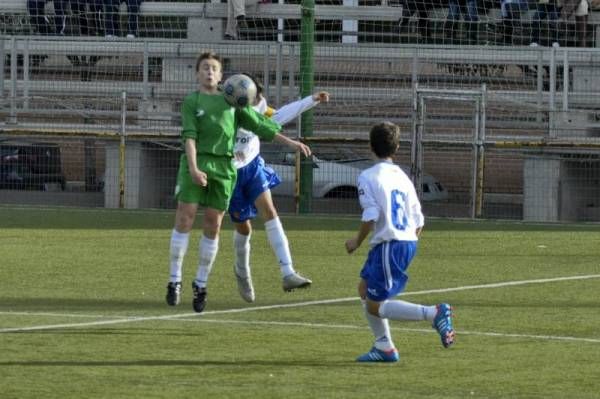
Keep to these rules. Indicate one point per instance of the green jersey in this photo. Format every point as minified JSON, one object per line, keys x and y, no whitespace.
{"x":213,"y":123}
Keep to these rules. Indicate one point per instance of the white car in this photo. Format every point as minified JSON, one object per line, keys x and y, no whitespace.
{"x":337,"y":179}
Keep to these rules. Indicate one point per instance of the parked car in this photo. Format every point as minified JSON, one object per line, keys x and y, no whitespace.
{"x":338,"y":179}
{"x":25,"y":165}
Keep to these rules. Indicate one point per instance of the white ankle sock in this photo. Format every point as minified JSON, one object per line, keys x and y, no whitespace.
{"x":178,"y":248}
{"x":241,"y":247}
{"x":279,"y":244}
{"x":402,"y":310}
{"x":381,"y":330}
{"x":208,"y":253}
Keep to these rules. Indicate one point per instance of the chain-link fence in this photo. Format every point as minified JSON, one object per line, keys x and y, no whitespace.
{"x":523,"y":145}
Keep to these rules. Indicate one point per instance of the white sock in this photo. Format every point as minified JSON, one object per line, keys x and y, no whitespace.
{"x":178,"y":248}
{"x":402,"y":310}
{"x":279,"y":244}
{"x":241,"y":247}
{"x":381,"y":330}
{"x":208,"y":253}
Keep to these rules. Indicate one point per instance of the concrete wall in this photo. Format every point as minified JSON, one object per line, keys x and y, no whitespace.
{"x":558,"y":188}
{"x":541,"y":195}
{"x":144,"y":177}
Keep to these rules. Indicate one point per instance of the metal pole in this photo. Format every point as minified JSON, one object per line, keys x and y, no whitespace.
{"x":540,"y":86}
{"x":291,"y":77}
{"x":474,"y":163}
{"x":552,"y":105}
{"x":278,"y":73}
{"x":416,"y":158}
{"x":292,"y":95}
{"x":307,"y":47}
{"x":483,"y":113}
{"x":480,"y":170}
{"x":122,"y":150}
{"x":280,"y":25}
{"x":13,"y":82}
{"x":416,"y":118}
{"x":26,"y":75}
{"x":2,"y":63}
{"x":146,"y":72}
{"x":419,"y":149}
{"x":566,"y":81}
{"x":415,"y":66}
{"x":266,"y":85}
{"x":480,"y":131}
{"x":552,"y":73}
{"x":145,"y":106}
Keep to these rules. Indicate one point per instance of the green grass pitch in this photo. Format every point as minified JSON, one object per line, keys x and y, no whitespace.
{"x":82,"y":313}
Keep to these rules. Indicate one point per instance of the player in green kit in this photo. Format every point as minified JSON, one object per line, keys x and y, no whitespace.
{"x":206,"y":174}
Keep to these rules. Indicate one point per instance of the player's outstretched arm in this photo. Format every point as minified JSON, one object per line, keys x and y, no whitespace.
{"x":291,"y":111}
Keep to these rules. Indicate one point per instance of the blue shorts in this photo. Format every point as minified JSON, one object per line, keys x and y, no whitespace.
{"x":252,"y":180}
{"x":385,"y":269}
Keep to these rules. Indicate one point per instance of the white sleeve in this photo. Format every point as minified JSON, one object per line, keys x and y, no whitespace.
{"x":291,"y":111}
{"x":367,"y":200}
{"x":415,"y":208}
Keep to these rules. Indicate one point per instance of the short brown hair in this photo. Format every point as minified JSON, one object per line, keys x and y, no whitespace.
{"x":384,"y":139}
{"x":208,"y":55}
{"x":257,"y":83}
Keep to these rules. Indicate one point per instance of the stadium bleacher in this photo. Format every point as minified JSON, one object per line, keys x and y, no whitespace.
{"x":205,"y":19}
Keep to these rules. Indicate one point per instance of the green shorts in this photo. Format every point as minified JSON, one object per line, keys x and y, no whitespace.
{"x":221,"y":180}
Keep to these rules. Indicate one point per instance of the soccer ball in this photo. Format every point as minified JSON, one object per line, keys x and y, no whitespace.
{"x":239,"y":91}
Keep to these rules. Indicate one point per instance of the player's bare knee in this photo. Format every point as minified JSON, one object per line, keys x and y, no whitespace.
{"x":183,"y":226}
{"x":184,"y":221}
{"x":244,"y":228}
{"x":265,"y":206}
{"x":211,"y":226}
{"x":211,"y":229}
{"x":271,"y":214}
{"x":268,"y":212}
{"x":373,"y":307}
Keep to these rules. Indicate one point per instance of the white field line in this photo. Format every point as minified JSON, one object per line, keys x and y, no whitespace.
{"x":416,"y":330}
{"x":135,"y":319}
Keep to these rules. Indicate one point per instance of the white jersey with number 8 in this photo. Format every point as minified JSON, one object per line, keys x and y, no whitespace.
{"x":388,"y":197}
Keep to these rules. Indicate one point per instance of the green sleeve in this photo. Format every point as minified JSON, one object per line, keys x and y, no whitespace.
{"x":189,"y":129}
{"x":257,"y":123}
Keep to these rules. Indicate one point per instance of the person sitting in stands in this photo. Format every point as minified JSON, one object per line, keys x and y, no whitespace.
{"x":38,"y":19}
{"x":468,"y":9}
{"x":421,"y":9}
{"x":111,"y":17}
{"x":88,"y":21}
{"x":511,"y":19}
{"x":236,"y":17}
{"x":548,"y":10}
{"x":581,"y":10}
